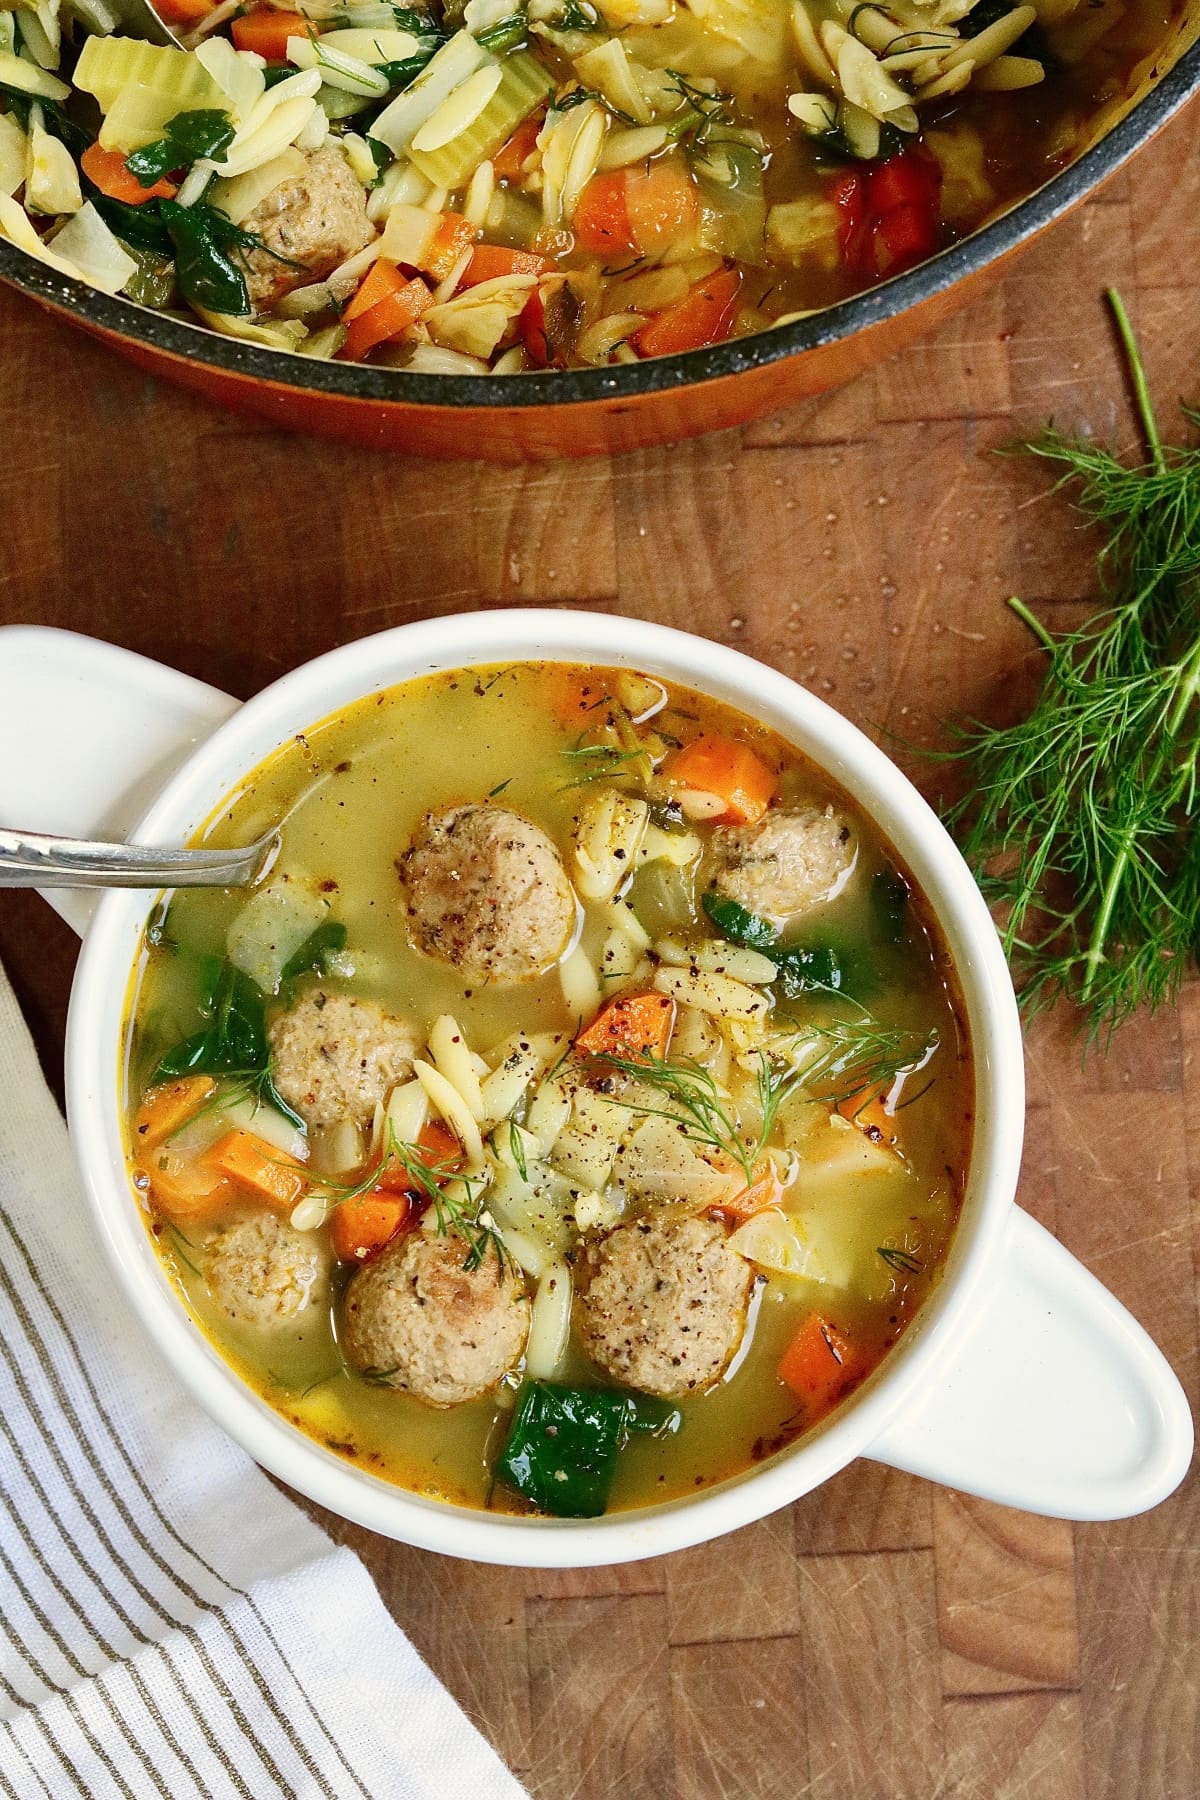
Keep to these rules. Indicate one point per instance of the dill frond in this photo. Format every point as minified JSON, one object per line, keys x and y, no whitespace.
{"x":1079,"y":822}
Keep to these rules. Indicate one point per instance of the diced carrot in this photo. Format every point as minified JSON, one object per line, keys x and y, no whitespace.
{"x":441,"y":1153}
{"x":381,"y":279}
{"x":660,"y":203}
{"x":601,"y":223}
{"x":266,"y":33}
{"x":250,"y":1163}
{"x":184,"y":1188}
{"x":705,"y":316}
{"x":727,"y":768}
{"x":107,"y":170}
{"x":490,"y":261}
{"x":764,"y":1191}
{"x":386,"y":319}
{"x":511,"y":158}
{"x":164,"y":1109}
{"x":453,"y":235}
{"x":871,"y":1116}
{"x":442,"y":1149}
{"x":633,"y":1025}
{"x":182,"y":12}
{"x":362,"y":1225}
{"x":820,"y":1364}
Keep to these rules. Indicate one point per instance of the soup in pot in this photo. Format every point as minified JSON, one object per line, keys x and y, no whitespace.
{"x":513,"y":185}
{"x":577,"y":1111}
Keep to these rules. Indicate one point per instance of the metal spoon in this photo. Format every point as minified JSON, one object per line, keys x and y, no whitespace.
{"x":138,"y":19}
{"x":32,"y":859}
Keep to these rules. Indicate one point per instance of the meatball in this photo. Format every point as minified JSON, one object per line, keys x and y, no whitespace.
{"x":314,"y":220}
{"x":662,"y":1303}
{"x":264,"y":1274}
{"x":487,"y":892}
{"x":425,"y":1323}
{"x":334,"y":1056}
{"x":790,"y":861}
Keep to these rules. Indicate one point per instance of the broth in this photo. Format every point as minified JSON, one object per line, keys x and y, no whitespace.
{"x":553,"y":746}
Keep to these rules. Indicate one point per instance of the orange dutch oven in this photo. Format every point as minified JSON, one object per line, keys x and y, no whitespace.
{"x":582,"y":412}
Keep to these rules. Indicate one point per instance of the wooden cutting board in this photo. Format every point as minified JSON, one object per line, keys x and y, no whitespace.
{"x":883,"y":1639}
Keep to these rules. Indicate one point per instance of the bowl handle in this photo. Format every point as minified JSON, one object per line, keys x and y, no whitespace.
{"x":1056,"y":1401}
{"x":88,"y":734}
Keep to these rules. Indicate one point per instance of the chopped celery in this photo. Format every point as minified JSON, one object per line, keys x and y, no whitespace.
{"x":524,"y":84}
{"x":26,"y":78}
{"x":108,"y":65}
{"x":733,"y":209}
{"x":323,"y":344}
{"x":337,"y":104}
{"x":453,"y":64}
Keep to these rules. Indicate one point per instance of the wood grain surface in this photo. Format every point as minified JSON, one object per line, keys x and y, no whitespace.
{"x":883,"y":1639}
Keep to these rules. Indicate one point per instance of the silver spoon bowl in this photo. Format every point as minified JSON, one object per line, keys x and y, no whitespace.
{"x":34,"y":860}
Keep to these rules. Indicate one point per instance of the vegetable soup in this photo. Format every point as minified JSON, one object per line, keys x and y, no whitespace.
{"x":509,"y":185}
{"x":578,"y":1109}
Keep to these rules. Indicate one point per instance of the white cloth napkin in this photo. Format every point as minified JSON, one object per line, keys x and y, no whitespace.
{"x":170,"y":1624}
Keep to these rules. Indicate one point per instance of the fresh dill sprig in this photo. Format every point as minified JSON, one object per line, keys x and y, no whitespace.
{"x":599,"y":762}
{"x":1079,"y":820}
{"x":460,"y":1213}
{"x":861,"y":1058}
{"x":903,"y":1261}
{"x":694,"y":1102}
{"x":518,"y":1149}
{"x":178,"y":1239}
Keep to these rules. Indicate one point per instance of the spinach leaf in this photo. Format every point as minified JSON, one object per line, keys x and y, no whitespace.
{"x":235,"y":1037}
{"x":313,"y":952}
{"x":801,"y":968}
{"x":141,"y":227}
{"x":186,"y":138}
{"x":562,"y":1449}
{"x":207,"y":277}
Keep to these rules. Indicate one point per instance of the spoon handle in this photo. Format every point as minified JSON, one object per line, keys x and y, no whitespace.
{"x":32,"y":859}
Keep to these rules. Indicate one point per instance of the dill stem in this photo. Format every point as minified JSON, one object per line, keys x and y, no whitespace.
{"x":1189,"y":686}
{"x":1137,"y":375}
{"x":1032,"y":621}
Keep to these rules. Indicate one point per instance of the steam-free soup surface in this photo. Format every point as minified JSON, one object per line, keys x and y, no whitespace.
{"x":578,"y":1111}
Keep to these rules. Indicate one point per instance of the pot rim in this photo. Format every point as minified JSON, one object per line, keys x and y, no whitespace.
{"x":623,"y":382}
{"x":322,"y":687}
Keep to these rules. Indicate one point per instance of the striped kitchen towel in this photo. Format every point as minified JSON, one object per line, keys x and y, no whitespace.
{"x":170,"y":1624}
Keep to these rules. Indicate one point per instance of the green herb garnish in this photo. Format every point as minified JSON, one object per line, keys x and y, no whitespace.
{"x":901,"y":1260}
{"x":1080,"y":821}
